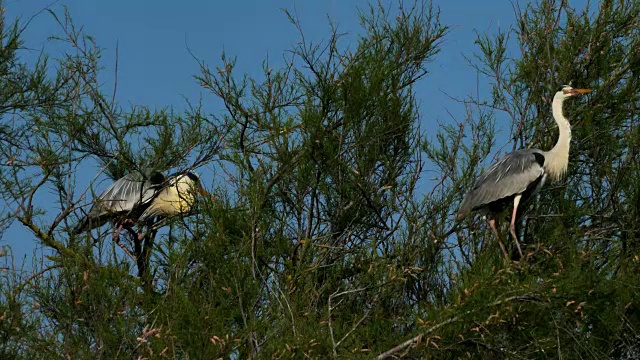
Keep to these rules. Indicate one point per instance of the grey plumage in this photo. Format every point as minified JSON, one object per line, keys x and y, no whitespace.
{"x":127,"y":198}
{"x":137,"y":198}
{"x":519,"y":172}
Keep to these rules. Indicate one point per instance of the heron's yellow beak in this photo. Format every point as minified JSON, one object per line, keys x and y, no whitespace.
{"x":205,"y":193}
{"x":580,"y":91}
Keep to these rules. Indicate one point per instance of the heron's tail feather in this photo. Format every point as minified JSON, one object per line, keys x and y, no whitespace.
{"x":466,"y":206}
{"x":81,"y":226}
{"x":148,"y":214}
{"x":87,"y":223}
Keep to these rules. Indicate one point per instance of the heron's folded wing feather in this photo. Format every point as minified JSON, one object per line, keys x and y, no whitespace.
{"x":127,"y":193}
{"x":513,"y":174}
{"x":122,"y":195}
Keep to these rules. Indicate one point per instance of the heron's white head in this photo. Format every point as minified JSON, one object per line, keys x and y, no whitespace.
{"x":567,"y":91}
{"x":188,"y":178}
{"x":557,"y":159}
{"x":185,"y":182}
{"x":188,"y":184}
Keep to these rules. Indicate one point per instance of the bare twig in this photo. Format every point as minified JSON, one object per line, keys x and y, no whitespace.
{"x":330,"y":323}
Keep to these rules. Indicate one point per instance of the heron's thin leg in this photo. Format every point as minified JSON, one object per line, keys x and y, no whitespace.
{"x":116,"y":236}
{"x":512,"y":226}
{"x":492,"y":224}
{"x":129,"y":228}
{"x":150,"y":223}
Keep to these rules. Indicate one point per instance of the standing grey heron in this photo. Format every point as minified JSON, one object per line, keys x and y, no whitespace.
{"x":521,"y":174}
{"x":136,"y":198}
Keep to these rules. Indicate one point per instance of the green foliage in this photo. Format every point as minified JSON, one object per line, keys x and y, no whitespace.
{"x":574,"y":296}
{"x":326,"y":238}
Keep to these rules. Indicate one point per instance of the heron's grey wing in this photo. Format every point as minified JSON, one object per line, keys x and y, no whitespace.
{"x":513,"y":174}
{"x":126,"y":195}
{"x":123,"y":195}
{"x":118,"y":197}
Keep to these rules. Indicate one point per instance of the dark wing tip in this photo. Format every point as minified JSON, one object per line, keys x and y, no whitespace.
{"x":465,"y":208}
{"x":463,"y":211}
{"x":81,"y":226}
{"x":78,"y":229}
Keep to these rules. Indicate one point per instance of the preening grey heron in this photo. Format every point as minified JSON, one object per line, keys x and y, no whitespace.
{"x":521,"y":174}
{"x":177,"y":197}
{"x":136,"y":198}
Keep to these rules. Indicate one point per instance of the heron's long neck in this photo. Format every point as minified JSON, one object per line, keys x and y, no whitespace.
{"x":558,"y":158}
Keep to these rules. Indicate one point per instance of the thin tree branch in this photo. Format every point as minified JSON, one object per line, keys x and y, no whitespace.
{"x":416,"y":339}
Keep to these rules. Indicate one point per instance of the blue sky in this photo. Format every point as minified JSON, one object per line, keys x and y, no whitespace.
{"x":156,"y":69}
